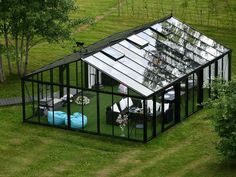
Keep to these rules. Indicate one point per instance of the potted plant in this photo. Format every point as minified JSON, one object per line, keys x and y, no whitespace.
{"x":122,"y":120}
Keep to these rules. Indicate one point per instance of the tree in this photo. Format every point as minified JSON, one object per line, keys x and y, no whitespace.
{"x":223,"y":104}
{"x":2,"y":76}
{"x":5,"y":8}
{"x":32,"y":22}
{"x":42,"y":20}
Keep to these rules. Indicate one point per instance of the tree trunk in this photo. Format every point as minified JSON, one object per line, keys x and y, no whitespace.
{"x":7,"y":49}
{"x":26,"y":54}
{"x":21,"y":51}
{"x":17,"y":56}
{"x":2,"y":76}
{"x":118,"y":7}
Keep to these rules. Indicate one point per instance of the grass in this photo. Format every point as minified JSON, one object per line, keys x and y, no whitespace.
{"x":30,"y":150}
{"x":184,"y":150}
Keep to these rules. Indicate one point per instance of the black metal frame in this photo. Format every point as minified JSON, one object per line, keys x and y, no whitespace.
{"x":83,"y":86}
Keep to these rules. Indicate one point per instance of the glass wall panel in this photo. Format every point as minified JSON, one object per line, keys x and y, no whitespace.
{"x":159,"y":116}
{"x":120,"y":116}
{"x":29,"y":94}
{"x":220,"y":67}
{"x":169,"y":107}
{"x":109,"y":84}
{"x":213,"y":71}
{"x":89,"y":110}
{"x":226,"y":67}
{"x":191,"y":94}
{"x":59,"y":108}
{"x":36,"y":98}
{"x":196,"y":94}
{"x":183,"y":99}
{"x":150,"y":108}
{"x":107,"y":115}
{"x":43,"y":102}
{"x":74,"y":79}
{"x":48,"y":107}
{"x":91,"y":76}
{"x":136,"y":117}
{"x":206,"y":90}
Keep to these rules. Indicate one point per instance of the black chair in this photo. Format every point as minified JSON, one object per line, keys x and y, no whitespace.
{"x":112,"y":116}
{"x":169,"y":116}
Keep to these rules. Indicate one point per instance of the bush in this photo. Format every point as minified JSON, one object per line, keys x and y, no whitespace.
{"x":223,"y":104}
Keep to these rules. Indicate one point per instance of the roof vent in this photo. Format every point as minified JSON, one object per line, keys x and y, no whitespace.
{"x":113,"y":53}
{"x":138,"y":41}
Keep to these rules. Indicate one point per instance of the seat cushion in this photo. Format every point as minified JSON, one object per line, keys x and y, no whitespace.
{"x":123,"y":104}
{"x":128,"y":102}
{"x":77,"y":121}
{"x":115,"y":108}
{"x":58,"y":116}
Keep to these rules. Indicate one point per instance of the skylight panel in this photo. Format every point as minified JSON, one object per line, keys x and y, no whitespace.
{"x":141,"y":43}
{"x":113,"y":53}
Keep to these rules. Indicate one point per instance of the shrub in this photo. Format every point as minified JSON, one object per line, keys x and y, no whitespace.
{"x":223,"y":104}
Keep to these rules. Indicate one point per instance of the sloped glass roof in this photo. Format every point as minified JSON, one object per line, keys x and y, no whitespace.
{"x":157,"y":56}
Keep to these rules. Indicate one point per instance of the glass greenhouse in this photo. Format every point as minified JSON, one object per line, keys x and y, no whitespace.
{"x":132,"y":85}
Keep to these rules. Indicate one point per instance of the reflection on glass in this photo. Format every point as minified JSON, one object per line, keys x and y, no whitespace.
{"x":156,"y":65}
{"x":157,"y":56}
{"x":168,"y":57}
{"x":209,"y":42}
{"x":142,"y":65}
{"x":174,"y":50}
{"x":182,"y":38}
{"x":160,"y":29}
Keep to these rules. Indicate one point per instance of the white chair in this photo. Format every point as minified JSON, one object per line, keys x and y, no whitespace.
{"x":115,"y":108}
{"x":125,"y":103}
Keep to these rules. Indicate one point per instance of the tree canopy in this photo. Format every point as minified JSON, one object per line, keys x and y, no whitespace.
{"x":26,"y":23}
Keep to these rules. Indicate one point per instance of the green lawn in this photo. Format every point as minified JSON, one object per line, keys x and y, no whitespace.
{"x":31,"y":150}
{"x":187,"y":149}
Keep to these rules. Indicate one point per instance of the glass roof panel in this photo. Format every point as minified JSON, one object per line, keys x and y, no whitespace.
{"x":185,"y":60}
{"x":160,"y":68}
{"x":177,"y":38}
{"x":196,"y":34}
{"x":186,"y":39}
{"x":132,"y":73}
{"x":116,"y":55}
{"x":192,"y":49}
{"x":138,"y":41}
{"x":173,"y":48}
{"x":120,"y":67}
{"x":144,"y":62}
{"x":159,"y":29}
{"x":151,"y":70}
{"x":112,"y":72}
{"x":168,"y":61}
{"x":171,"y":59}
{"x":157,"y":56}
{"x":153,"y":77}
